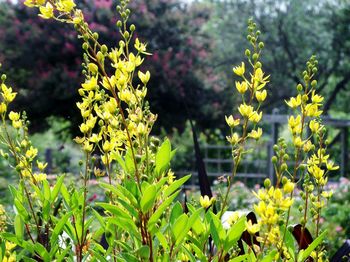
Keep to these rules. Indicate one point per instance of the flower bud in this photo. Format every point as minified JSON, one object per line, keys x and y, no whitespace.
{"x":261,"y":45}
{"x":247,"y":52}
{"x":255,"y":56}
{"x":274,"y":159}
{"x":126,"y":35}
{"x":299,"y":87}
{"x":119,"y":23}
{"x":132,"y":28}
{"x":267,"y":183}
{"x":313,"y":83}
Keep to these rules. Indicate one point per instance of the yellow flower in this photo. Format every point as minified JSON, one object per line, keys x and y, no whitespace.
{"x":3,"y":108}
{"x":239,"y":70}
{"x":46,"y":11}
{"x":141,"y":129}
{"x":7,"y":93}
{"x":231,"y":121}
{"x":14,"y":116}
{"x":255,"y":134}
{"x":107,"y":146}
{"x":316,"y":172}
{"x":241,"y":87}
{"x":330,"y":166}
{"x":252,"y":229}
{"x":144,"y":77}
{"x":311,"y":110}
{"x":314,"y":126}
{"x":31,"y":152}
{"x":90,"y":84}
{"x":41,"y":165}
{"x":294,"y":102}
{"x":288,"y":187}
{"x":259,"y":79}
{"x":233,"y":218}
{"x":40,"y":177}
{"x":261,"y":95}
{"x":298,"y":142}
{"x":233,"y":139}
{"x":245,"y":110}
{"x":255,"y":117}
{"x":205,"y":201}
{"x":17,"y":124}
{"x":316,"y":98}
{"x":65,"y":5}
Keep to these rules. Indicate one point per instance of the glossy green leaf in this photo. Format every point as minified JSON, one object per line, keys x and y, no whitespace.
{"x":179,"y":226}
{"x":176,"y":185}
{"x":58,"y":228}
{"x":57,"y":188}
{"x":163,"y":157}
{"x":235,"y":232}
{"x":240,"y":258}
{"x":21,"y":210}
{"x":42,"y":252}
{"x":19,"y":226}
{"x":148,"y":198}
{"x":304,"y":254}
{"x":270,"y":256}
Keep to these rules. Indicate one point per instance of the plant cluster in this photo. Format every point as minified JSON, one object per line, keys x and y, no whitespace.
{"x":141,"y":219}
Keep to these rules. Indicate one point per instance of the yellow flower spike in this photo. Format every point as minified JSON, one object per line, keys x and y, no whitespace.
{"x":255,"y":134}
{"x":231,"y":122}
{"x":252,"y":228}
{"x":239,"y":70}
{"x":245,"y":110}
{"x":144,"y":77}
{"x":241,"y":87}
{"x":294,"y":102}
{"x":46,"y":11}
{"x":261,"y":96}
{"x":205,"y":202}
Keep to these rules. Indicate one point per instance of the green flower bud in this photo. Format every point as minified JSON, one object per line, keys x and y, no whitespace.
{"x":267,"y":183}
{"x":261,"y":45}
{"x":314,"y":70}
{"x":274,"y":159}
{"x":81,"y":162}
{"x":313,"y":83}
{"x":95,"y":35}
{"x":3,"y":77}
{"x":119,"y":23}
{"x":284,"y":180}
{"x":275,"y":148}
{"x":284,"y":167}
{"x":285,"y":157}
{"x":85,"y":46}
{"x":132,"y":28}
{"x":258,"y":65}
{"x":104,"y":49}
{"x":247,"y":52}
{"x":299,"y":87}
{"x":126,"y":35}
{"x":300,"y":208}
{"x":255,"y":56}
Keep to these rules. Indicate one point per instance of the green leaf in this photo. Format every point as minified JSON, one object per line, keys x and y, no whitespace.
{"x":57,"y":188}
{"x":217,"y":231}
{"x":240,"y":258}
{"x":304,"y":254}
{"x":42,"y":252}
{"x":188,"y":226}
{"x":121,"y":192}
{"x":175,"y":185}
{"x":289,"y":241}
{"x":234,"y":233}
{"x":144,"y":252}
{"x":58,"y":228}
{"x":160,"y":210}
{"x":46,"y":190}
{"x":270,"y":256}
{"x":99,"y":218}
{"x":163,"y":157}
{"x":19,"y":227}
{"x":65,"y":194}
{"x":179,"y":226}
{"x":21,"y":210}
{"x":148,"y":198}
{"x":129,"y":162}
{"x":176,"y":211}
{"x":162,"y":240}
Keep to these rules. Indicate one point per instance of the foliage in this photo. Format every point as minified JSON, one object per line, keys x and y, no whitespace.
{"x":141,"y":218}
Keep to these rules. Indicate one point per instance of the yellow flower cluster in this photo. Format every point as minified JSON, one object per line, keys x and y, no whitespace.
{"x":10,"y":254}
{"x":252,"y":90}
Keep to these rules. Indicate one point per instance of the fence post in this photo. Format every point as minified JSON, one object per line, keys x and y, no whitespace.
{"x":48,"y":160}
{"x":344,"y":151}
